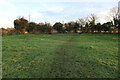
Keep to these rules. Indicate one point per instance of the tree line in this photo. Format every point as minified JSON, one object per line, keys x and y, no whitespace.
{"x":82,"y":25}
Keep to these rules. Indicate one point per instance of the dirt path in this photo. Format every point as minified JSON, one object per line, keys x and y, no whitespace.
{"x":63,"y":65}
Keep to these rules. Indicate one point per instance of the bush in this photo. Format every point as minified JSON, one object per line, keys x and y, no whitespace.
{"x":4,"y":32}
{"x":13,"y":32}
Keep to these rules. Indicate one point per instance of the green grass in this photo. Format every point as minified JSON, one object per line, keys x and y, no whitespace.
{"x":60,"y":56}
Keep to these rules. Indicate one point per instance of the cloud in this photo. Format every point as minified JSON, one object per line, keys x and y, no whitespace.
{"x":63,"y":0}
{"x":7,"y":13}
{"x":52,"y":10}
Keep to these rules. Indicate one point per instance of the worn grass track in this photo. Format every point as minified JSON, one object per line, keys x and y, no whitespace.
{"x":62,"y":61}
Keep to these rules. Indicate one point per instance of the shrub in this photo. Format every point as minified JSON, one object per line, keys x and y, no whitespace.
{"x":4,"y":32}
{"x":13,"y":32}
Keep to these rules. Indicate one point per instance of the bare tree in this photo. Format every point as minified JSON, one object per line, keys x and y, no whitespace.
{"x":113,"y":15}
{"x":119,"y":10}
{"x":83,"y":21}
{"x":92,"y":19}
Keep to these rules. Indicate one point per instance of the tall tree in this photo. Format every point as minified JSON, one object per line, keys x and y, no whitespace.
{"x":82,"y":23}
{"x":99,"y":27}
{"x":106,"y":26}
{"x":76,"y":27}
{"x":21,"y":24}
{"x":32,"y":27}
{"x":59,"y":27}
{"x":113,"y":16}
{"x":92,"y":21}
{"x":68,"y":26}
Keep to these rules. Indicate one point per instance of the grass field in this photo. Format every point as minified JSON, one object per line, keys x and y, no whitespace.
{"x":60,"y":56}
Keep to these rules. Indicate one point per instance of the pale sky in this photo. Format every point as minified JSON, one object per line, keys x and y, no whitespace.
{"x":53,"y":10}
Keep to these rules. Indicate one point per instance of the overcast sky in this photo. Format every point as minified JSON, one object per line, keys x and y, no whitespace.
{"x":52,"y":10}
